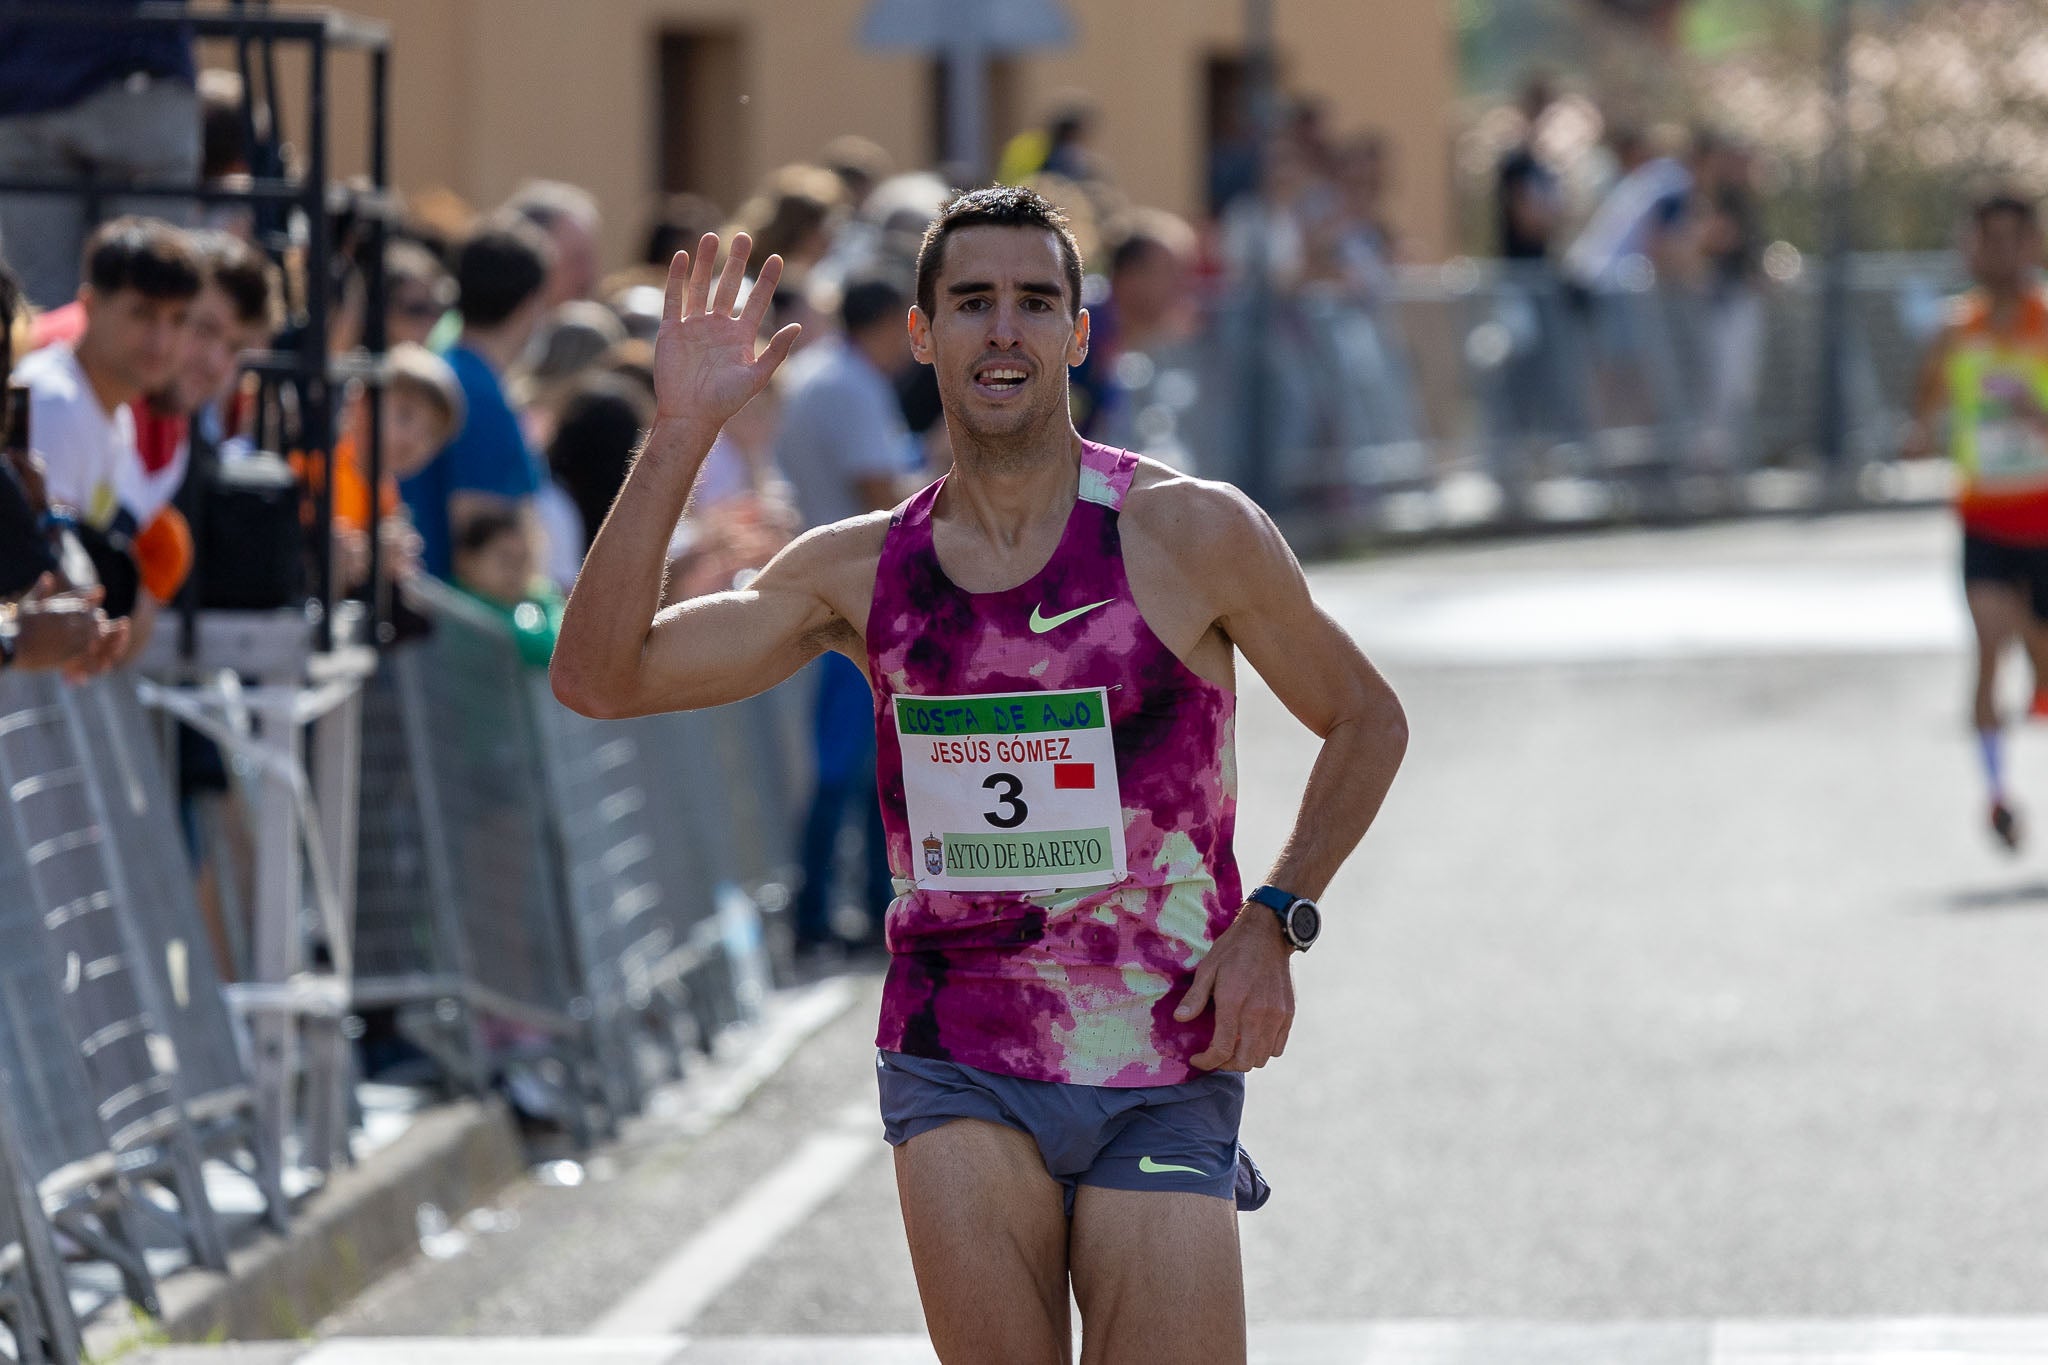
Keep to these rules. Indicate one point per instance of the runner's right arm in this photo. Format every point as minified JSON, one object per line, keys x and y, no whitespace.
{"x":615,"y":657}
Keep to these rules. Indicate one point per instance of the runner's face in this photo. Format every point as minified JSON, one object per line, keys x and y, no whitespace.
{"x":1003,"y":332}
{"x":2004,"y":251}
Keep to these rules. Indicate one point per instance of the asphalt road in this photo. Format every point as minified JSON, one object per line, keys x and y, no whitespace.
{"x":1678,"y":980}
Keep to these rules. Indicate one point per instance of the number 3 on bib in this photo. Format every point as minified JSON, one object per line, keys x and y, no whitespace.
{"x":1010,"y":786}
{"x":1012,"y":791}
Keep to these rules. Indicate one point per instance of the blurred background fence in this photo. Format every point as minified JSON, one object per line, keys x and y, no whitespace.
{"x":1481,"y":393}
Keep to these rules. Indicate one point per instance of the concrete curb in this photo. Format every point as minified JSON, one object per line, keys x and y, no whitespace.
{"x":456,"y":1156}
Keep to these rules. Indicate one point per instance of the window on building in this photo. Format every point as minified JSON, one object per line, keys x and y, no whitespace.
{"x":1230,"y":156}
{"x":704,"y":129}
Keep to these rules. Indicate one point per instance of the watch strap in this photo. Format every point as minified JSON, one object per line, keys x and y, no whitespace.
{"x":1274,"y":899}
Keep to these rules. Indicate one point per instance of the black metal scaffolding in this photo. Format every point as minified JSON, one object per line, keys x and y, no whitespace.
{"x":295,"y":215}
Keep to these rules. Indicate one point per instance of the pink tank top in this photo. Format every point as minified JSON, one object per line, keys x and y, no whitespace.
{"x":1059,"y":792}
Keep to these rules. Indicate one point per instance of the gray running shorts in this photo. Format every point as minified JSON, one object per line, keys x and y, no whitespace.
{"x":1162,"y":1137}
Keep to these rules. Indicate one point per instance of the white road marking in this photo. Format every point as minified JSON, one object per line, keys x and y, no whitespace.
{"x":691,"y":1279}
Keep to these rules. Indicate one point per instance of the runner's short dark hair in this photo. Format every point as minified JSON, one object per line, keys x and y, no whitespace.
{"x":2005,"y":202}
{"x":241,"y":272}
{"x":501,"y":266}
{"x":996,"y":206}
{"x":147,"y":255}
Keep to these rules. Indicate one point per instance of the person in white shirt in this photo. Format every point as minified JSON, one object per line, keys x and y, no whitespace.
{"x":141,"y":277}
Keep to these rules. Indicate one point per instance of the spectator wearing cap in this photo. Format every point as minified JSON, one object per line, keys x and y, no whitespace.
{"x":501,"y":276}
{"x":422,"y":411}
{"x":84,"y":99}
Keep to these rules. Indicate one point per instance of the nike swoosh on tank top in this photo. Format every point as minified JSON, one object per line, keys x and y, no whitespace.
{"x":1059,"y":809}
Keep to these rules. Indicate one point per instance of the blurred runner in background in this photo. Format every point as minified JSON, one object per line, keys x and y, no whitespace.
{"x":1987,"y":378}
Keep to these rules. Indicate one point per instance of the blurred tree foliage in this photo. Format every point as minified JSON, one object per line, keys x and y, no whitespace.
{"x":1946,"y":100}
{"x":1949,"y":97}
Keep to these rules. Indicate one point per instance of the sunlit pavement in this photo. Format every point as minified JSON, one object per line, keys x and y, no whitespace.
{"x":1678,"y":1009}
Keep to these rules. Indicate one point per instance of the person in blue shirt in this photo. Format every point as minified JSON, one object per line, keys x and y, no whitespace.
{"x":117,"y":103}
{"x":501,"y":274}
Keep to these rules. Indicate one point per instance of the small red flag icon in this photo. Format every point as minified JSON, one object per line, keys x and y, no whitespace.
{"x":1073,"y":777}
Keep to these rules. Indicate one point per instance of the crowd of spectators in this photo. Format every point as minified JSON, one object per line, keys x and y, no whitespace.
{"x":1663,"y":237}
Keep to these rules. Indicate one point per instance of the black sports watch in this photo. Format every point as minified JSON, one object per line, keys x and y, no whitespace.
{"x":1300,"y":918}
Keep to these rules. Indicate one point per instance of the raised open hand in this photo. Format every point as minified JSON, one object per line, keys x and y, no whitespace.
{"x":705,"y":362}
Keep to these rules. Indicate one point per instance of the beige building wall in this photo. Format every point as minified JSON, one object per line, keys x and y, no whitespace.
{"x":1382,"y":64}
{"x":486,"y":93}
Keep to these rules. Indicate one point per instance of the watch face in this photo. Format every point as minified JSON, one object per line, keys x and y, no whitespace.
{"x":1304,"y":922}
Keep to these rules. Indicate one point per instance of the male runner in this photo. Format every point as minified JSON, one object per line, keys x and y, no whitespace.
{"x":1077,"y":984}
{"x":1987,"y":376}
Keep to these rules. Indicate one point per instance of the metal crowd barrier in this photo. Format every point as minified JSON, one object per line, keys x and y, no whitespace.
{"x":34,"y":1305}
{"x":557,"y":889}
{"x":1513,"y":375}
{"x":119,"y":1072}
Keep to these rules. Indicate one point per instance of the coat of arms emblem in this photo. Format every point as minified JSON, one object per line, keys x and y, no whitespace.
{"x":934,"y":854}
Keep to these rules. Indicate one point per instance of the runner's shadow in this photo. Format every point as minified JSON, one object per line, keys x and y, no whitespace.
{"x":2024,"y":896}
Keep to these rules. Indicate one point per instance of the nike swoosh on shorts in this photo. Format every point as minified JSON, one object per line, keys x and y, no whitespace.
{"x":1151,"y":1167}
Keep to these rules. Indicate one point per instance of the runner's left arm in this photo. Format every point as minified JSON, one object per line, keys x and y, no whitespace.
{"x":1325,"y":680}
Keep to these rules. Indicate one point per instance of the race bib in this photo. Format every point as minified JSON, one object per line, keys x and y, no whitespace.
{"x":2010,"y":450}
{"x":1012,"y":791}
